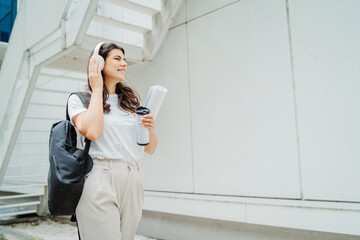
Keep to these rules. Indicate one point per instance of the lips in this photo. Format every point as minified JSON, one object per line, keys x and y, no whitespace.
{"x":121,"y":70}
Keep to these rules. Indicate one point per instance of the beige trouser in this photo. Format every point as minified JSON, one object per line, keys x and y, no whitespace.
{"x":111,"y":203}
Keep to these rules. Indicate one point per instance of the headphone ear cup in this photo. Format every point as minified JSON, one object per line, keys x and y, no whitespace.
{"x":100,"y":61}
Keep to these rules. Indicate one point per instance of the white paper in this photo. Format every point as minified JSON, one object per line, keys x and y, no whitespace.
{"x":155,"y":98}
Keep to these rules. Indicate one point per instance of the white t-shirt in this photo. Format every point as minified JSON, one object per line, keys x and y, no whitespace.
{"x":118,"y":138}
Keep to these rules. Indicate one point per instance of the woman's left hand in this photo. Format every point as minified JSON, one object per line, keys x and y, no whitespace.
{"x":148,"y":121}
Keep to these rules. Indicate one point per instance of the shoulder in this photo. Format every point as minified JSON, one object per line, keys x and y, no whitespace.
{"x":74,"y":100}
{"x":75,"y":105}
{"x":79,"y":98}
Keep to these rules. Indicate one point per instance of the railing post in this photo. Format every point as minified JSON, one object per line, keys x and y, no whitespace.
{"x":43,"y":208}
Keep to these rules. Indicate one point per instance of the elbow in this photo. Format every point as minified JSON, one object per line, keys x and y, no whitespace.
{"x":92,"y":135}
{"x":149,"y":151}
{"x":92,"y":130}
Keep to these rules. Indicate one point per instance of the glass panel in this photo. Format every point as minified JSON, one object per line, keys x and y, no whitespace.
{"x":8,"y":10}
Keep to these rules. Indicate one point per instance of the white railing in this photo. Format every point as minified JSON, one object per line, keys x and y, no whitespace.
{"x":34,"y":21}
{"x":42,"y":32}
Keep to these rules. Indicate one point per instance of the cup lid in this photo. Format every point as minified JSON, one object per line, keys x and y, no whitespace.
{"x":142,"y":110}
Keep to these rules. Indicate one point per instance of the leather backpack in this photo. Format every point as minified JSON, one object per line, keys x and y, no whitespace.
{"x":68,"y":165}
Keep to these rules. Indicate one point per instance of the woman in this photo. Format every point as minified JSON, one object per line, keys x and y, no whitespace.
{"x":110,"y":206}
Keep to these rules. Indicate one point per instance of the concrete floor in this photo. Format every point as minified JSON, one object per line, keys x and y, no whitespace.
{"x":48,"y":229}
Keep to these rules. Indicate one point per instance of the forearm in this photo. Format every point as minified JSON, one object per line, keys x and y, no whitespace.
{"x":151,"y":147}
{"x":92,"y":120}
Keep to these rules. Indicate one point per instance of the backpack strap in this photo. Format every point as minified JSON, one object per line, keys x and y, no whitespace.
{"x":74,"y":219}
{"x":85,"y":99}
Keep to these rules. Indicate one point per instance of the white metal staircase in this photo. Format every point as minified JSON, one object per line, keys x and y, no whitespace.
{"x":46,"y":56}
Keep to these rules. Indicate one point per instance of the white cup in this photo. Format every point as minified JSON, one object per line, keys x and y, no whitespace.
{"x":142,"y":133}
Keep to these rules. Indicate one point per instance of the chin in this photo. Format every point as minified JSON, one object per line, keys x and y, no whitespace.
{"x":120,"y":79}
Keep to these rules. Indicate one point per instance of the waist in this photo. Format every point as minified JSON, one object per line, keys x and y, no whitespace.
{"x":118,"y":163}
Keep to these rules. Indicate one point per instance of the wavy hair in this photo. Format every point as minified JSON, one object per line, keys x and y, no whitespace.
{"x":128,"y":99}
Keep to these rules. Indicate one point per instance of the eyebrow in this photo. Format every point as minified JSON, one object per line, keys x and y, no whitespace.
{"x":118,"y":56}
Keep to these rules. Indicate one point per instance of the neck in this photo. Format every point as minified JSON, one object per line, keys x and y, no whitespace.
{"x":110,"y":87}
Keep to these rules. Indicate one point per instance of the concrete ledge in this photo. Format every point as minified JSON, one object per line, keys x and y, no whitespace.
{"x":179,"y":227}
{"x":342,"y":218}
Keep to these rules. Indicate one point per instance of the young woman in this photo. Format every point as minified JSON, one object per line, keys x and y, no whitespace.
{"x":110,"y":206}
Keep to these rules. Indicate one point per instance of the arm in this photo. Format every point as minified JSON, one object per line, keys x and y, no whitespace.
{"x":90,"y":123}
{"x":149,"y":122}
{"x":151,"y":147}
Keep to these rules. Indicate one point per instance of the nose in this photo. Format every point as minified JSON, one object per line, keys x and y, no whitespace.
{"x":123,"y":63}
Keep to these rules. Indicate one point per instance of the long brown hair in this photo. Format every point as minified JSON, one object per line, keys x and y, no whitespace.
{"x":128,"y":99}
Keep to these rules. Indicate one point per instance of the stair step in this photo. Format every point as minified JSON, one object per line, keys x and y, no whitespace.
{"x":19,"y":196}
{"x":133,"y":53}
{"x":119,"y":24}
{"x":24,"y":204}
{"x":135,"y":6}
{"x":10,"y":187}
{"x":17,"y":213}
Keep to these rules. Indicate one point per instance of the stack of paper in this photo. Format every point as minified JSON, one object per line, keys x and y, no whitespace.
{"x":155,"y":98}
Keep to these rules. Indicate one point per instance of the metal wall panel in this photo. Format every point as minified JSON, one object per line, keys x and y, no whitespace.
{"x":326,"y":51}
{"x":27,"y":163}
{"x":198,"y":8}
{"x":30,"y":124}
{"x":242,"y":105}
{"x":20,"y":173}
{"x":180,"y":16}
{"x":36,"y":149}
{"x":38,"y":28}
{"x":45,"y":112}
{"x":53,"y":98}
{"x":33,"y":137}
{"x":170,"y":168}
{"x":61,"y":84}
{"x":29,"y":160}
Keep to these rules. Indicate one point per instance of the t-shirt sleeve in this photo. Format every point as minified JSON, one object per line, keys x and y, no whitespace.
{"x":75,"y":106}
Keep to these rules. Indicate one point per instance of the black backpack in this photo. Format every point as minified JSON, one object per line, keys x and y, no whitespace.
{"x":68,"y":165}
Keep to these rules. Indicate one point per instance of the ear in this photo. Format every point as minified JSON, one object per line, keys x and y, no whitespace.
{"x":100,"y":60}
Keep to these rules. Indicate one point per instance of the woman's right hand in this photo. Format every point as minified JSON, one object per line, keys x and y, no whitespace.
{"x":95,"y":77}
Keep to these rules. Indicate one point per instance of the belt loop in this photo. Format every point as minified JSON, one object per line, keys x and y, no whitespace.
{"x":106,"y":164}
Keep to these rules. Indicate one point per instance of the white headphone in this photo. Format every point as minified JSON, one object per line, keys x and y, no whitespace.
{"x":98,"y":58}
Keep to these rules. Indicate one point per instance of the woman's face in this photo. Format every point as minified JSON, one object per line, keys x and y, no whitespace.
{"x":115,"y":66}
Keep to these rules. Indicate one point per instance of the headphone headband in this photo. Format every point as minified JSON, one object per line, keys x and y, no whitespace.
{"x":97,"y":48}
{"x":96,"y":55}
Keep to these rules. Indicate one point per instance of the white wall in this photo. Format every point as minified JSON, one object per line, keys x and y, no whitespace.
{"x":261,"y":116}
{"x":263,"y":101}
{"x":326,"y":54}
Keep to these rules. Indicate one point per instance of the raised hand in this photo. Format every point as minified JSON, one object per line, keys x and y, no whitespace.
{"x":95,"y":77}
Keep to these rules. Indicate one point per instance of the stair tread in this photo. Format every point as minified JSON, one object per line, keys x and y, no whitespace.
{"x":134,"y":6}
{"x":17,"y":213}
{"x":23,"y":204}
{"x":120,"y":24}
{"x":21,"y":196}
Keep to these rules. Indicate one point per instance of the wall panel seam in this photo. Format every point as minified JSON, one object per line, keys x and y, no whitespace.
{"x":295,"y":100}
